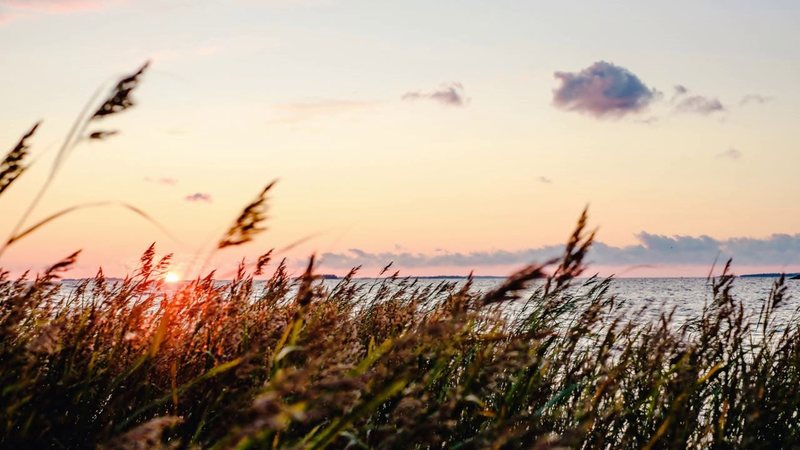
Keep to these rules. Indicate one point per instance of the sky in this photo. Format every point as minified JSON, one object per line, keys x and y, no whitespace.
{"x":446,"y":136}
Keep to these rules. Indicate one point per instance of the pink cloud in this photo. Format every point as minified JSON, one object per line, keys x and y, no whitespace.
{"x":57,"y":6}
{"x":198,"y":197}
{"x":451,"y":94}
{"x":5,"y":18}
{"x":162,"y":180}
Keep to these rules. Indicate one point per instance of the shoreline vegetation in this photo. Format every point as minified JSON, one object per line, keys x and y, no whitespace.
{"x":135,"y":364}
{"x":389,"y":364}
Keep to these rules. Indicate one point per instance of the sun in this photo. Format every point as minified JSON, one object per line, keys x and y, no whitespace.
{"x":172,"y":277}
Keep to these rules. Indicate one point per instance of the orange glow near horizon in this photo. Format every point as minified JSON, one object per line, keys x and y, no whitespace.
{"x":172,"y":277}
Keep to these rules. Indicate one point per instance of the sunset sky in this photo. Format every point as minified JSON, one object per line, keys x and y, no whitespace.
{"x":446,"y":136}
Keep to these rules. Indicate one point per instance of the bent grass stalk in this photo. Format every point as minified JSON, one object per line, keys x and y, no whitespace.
{"x":118,"y":100}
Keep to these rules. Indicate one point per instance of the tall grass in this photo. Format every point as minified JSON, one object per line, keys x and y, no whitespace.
{"x":393,"y":364}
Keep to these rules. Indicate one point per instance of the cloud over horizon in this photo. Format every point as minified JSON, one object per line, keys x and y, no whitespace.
{"x":602,"y":90}
{"x":777,"y":249}
{"x":451,"y":94}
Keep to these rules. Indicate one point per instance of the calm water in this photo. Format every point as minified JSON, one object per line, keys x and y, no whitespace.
{"x":686,"y":295}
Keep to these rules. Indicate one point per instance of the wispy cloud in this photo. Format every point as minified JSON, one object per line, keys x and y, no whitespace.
{"x":58,"y":6}
{"x":6,"y":18}
{"x":198,"y":197}
{"x":544,"y":180}
{"x":757,"y":99}
{"x":730,"y":153}
{"x":162,"y":180}
{"x":13,"y":10}
{"x":602,"y":90}
{"x":450,"y":94}
{"x":699,"y":104}
{"x":687,"y":102}
{"x":652,"y":249}
{"x":648,"y":120}
{"x":679,"y":90}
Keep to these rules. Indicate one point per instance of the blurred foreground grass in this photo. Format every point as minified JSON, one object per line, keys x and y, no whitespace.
{"x":136,"y":364}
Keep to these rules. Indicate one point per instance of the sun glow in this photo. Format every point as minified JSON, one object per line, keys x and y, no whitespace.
{"x":172,"y":277}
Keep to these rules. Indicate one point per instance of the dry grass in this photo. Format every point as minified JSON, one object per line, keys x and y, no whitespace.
{"x":13,"y":165}
{"x":389,"y":364}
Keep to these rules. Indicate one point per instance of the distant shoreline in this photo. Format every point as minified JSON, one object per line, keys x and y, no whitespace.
{"x":789,"y":276}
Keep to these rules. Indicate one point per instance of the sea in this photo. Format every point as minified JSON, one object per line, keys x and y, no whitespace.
{"x":684,"y":298}
{"x":648,"y":298}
